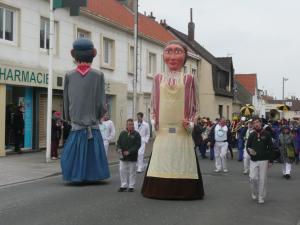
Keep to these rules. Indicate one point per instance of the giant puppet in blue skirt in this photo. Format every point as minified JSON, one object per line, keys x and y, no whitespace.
{"x":83,"y":158}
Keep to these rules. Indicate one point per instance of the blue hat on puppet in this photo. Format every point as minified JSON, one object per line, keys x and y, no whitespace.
{"x":83,"y":50}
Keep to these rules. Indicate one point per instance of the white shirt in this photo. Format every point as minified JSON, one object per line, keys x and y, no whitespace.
{"x":221,"y":133}
{"x":107,"y":130}
{"x":143,"y":129}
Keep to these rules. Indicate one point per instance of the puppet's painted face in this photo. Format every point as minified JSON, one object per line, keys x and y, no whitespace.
{"x":174,"y":57}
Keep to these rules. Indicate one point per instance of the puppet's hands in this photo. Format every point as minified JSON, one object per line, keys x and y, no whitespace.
{"x":185,"y":123}
{"x":188,"y":125}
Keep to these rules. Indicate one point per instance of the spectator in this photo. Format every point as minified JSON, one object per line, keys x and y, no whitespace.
{"x":56,"y":130}
{"x":128,"y":145}
{"x":219,"y":137}
{"x":287,"y":151}
{"x":143,"y":128}
{"x":108,"y":132}
{"x":18,"y":124}
{"x":198,"y":130}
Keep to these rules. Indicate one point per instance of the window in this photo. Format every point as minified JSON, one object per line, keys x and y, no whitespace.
{"x":221,"y":111}
{"x":185,"y":70}
{"x":130,"y":107}
{"x":130,"y":59}
{"x":6,"y":24}
{"x":223,"y":80}
{"x":194,"y":71}
{"x":45,"y":34}
{"x":151,"y":64}
{"x":59,"y":81}
{"x":108,"y":53}
{"x":83,"y":34}
{"x":227,"y":112}
{"x":163,"y":65}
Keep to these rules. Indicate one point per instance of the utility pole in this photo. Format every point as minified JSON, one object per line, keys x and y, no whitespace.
{"x":283,"y":80}
{"x":50,"y":83}
{"x":135,"y":70}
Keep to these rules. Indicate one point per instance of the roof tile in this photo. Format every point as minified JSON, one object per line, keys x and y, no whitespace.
{"x":249,"y":81}
{"x":115,"y":12}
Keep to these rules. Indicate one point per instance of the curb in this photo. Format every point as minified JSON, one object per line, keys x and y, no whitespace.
{"x":52,"y":175}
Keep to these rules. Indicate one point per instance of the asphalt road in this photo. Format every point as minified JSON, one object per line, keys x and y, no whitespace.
{"x":227,"y":202}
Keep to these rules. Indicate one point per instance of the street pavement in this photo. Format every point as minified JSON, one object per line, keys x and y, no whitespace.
{"x":227,"y":202}
{"x":29,"y":166}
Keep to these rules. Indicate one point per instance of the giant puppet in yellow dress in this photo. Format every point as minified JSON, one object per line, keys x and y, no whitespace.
{"x":173,"y":171}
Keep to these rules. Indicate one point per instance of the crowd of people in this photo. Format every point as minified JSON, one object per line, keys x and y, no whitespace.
{"x":258,"y":144}
{"x":238,"y":131}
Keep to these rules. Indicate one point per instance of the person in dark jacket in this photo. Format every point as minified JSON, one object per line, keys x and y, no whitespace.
{"x":18,"y":125}
{"x":259,"y":147}
{"x":56,"y":130}
{"x":230,"y":146}
{"x":197,"y":137}
{"x":288,"y":151}
{"x":241,"y":138}
{"x":128,"y":145}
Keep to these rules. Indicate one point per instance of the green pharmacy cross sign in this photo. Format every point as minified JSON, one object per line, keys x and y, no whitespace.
{"x":74,"y":5}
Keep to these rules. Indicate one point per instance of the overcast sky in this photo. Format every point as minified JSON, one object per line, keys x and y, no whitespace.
{"x":262,"y":36}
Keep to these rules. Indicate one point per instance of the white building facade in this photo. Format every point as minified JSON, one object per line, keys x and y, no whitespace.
{"x":24,"y":41}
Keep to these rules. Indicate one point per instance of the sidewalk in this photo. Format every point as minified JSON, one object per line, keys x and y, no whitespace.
{"x":18,"y":168}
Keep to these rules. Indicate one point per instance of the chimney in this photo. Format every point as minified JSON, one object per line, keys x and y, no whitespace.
{"x":151,"y":16}
{"x":191,"y":27}
{"x":163,"y":23}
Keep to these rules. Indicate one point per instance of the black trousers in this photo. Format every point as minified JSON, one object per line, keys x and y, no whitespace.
{"x":18,"y":140}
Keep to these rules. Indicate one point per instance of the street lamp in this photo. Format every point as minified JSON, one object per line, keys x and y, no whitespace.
{"x":283,"y":80}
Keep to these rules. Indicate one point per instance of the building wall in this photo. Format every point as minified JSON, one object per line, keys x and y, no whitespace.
{"x":236,"y":107}
{"x":25,"y":53}
{"x":206,"y":92}
{"x":286,"y":115}
{"x":259,"y":104}
{"x":208,"y":101}
{"x":2,"y":119}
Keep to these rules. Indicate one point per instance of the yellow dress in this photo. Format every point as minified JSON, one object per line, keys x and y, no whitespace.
{"x":173,"y":161}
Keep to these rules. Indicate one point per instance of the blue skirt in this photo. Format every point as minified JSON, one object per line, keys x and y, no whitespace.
{"x":84,"y":159}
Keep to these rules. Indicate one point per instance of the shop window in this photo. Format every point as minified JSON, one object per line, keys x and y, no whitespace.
{"x":14,"y":97}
